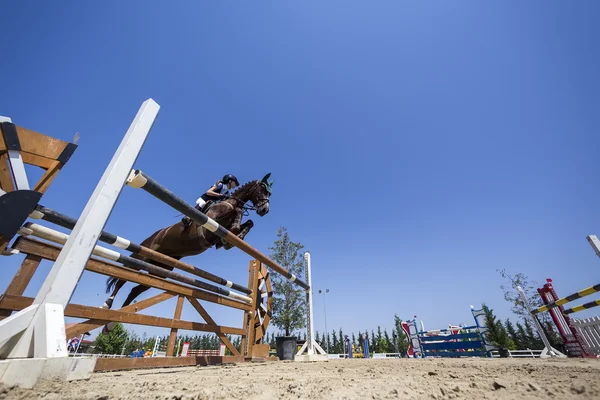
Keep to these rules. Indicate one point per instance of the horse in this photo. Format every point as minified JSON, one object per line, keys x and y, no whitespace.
{"x":182,"y":240}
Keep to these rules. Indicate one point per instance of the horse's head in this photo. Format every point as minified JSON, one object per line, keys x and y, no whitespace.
{"x":260,"y":199}
{"x":258,"y":192}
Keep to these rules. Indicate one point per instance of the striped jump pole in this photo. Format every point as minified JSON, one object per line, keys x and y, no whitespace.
{"x":61,"y":238}
{"x":582,"y":307}
{"x":137,"y":179}
{"x":569,"y":298}
{"x":65,"y":221}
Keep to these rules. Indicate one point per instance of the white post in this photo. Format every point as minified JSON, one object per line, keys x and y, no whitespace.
{"x":549,"y":351}
{"x":310,"y":346}
{"x":38,"y":331}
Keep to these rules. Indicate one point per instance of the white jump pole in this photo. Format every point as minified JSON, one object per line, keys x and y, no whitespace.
{"x":314,"y":352}
{"x":38,"y":331}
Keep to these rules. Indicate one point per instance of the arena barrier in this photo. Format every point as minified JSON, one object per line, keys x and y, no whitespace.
{"x":34,"y":338}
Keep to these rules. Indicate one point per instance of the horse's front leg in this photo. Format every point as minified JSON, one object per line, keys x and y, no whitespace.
{"x":242,"y":232}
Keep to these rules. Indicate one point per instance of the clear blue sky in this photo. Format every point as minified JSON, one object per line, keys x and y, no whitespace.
{"x":416,"y":147}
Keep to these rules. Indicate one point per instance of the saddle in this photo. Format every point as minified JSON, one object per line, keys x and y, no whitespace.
{"x":186,"y":221}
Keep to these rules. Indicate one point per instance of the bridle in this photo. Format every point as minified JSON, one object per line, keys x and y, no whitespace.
{"x":256,"y":205}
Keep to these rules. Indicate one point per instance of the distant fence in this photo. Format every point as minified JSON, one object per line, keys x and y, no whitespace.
{"x":520,"y":353}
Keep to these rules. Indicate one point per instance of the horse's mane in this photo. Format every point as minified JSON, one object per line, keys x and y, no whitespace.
{"x":244,"y":187}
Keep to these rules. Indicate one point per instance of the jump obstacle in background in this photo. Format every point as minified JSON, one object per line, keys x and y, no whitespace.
{"x":35,"y":334}
{"x":581,"y":337}
{"x":455,"y":341}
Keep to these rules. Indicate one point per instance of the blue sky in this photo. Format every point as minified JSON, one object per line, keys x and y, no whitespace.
{"x":416,"y":147}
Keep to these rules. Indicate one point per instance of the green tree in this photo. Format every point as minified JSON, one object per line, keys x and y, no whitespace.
{"x":112,"y":342}
{"x":334,"y":343}
{"x":496,"y":334}
{"x":288,"y":301}
{"x":511,"y":293}
{"x":534,"y":340}
{"x":514,"y":336}
{"x":401,"y":338}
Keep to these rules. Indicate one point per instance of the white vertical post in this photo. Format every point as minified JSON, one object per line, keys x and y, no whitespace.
{"x":549,"y":351}
{"x":310,"y":331}
{"x":47,"y":322}
{"x":310,"y":346}
{"x":16,"y":165}
{"x":595,"y":243}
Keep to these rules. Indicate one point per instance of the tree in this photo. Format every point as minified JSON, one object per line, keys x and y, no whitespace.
{"x":402,"y":339}
{"x":289,"y":303}
{"x":514,"y":336}
{"x":511,"y":293}
{"x":535,"y":342}
{"x":112,"y":342}
{"x":496,"y":334}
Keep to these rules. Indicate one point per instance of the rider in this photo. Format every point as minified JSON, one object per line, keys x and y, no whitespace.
{"x":218,"y":191}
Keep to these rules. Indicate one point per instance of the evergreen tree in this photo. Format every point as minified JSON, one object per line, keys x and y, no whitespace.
{"x":554,"y":338}
{"x":496,"y":334}
{"x":512,"y":333}
{"x":522,"y":339}
{"x":402,"y":338}
{"x":341,"y":341}
{"x":373,"y":344}
{"x":334,"y":343}
{"x":389,"y":343}
{"x":354,"y":340}
{"x":532,"y":337}
{"x":379,"y":345}
{"x":289,"y":303}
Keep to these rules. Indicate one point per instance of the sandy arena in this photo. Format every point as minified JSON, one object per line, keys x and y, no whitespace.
{"x":341,"y":379}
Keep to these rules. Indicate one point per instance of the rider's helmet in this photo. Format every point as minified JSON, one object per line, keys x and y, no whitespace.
{"x":228,"y":178}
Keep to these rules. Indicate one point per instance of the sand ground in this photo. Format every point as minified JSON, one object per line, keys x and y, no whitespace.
{"x":341,"y":379}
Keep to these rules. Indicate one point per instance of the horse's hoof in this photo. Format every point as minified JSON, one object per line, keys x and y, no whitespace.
{"x":108,"y":327}
{"x":108,"y":304}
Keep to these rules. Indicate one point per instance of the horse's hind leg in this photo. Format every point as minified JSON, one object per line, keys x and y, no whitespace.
{"x":109,"y":302}
{"x":244,"y":229}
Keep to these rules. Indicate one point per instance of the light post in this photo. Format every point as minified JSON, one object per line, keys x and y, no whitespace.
{"x":325,"y":310}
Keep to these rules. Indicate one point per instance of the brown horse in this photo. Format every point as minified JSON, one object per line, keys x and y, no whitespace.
{"x":179,"y":241}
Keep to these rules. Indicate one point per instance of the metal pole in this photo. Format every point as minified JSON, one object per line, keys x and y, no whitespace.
{"x":325,"y":313}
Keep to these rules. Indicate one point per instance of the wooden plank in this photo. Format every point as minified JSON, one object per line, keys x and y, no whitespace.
{"x":6,"y":181}
{"x":117,"y":364}
{"x":21,"y":279}
{"x":38,"y":144}
{"x":50,"y":252}
{"x":79,"y":311}
{"x":92,"y":324}
{"x":46,"y":179}
{"x":38,"y":161}
{"x":204,"y":314}
{"x":253,"y":283}
{"x":173,"y":334}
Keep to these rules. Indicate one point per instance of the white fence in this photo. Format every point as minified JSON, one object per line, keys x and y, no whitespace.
{"x":96,"y":355}
{"x":589,"y":329}
{"x":519,"y":353}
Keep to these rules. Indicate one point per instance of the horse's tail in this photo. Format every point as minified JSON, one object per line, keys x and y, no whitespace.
{"x":111,"y":283}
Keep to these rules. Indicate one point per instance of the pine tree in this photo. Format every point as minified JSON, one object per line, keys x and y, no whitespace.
{"x":512,"y":333}
{"x":402,"y":338}
{"x":532,"y":337}
{"x":354,"y":340}
{"x":554,"y":338}
{"x":389,"y":342}
{"x":379,"y":344}
{"x":522,"y":337}
{"x":334,"y":343}
{"x":373,"y":344}
{"x":496,"y":334}
{"x":289,"y":303}
{"x":341,"y":341}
